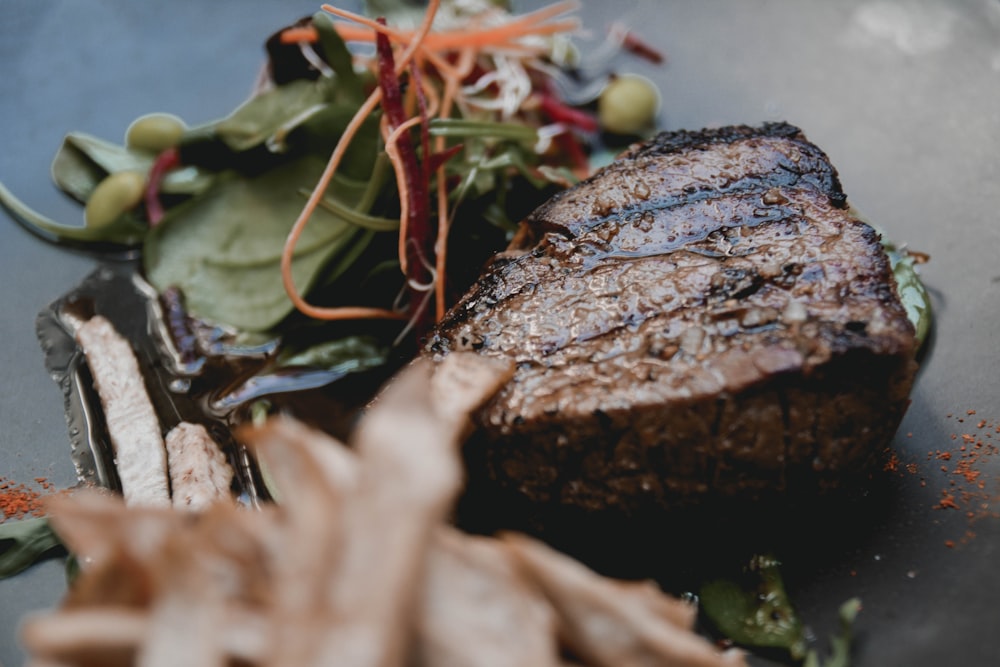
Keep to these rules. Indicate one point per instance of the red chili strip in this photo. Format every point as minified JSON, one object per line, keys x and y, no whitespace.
{"x":571,"y":148}
{"x":436,"y":160}
{"x":419,"y":243}
{"x":636,"y":45}
{"x":164,"y":163}
{"x":559,"y":112}
{"x":425,"y":133}
{"x":420,"y":232}
{"x":419,"y":303}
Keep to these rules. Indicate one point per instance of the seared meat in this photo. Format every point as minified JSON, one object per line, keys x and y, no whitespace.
{"x":199,"y":472}
{"x":702,"y":318}
{"x":140,"y":457}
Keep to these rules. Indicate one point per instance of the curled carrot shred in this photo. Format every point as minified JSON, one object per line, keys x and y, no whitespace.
{"x":305,"y":33}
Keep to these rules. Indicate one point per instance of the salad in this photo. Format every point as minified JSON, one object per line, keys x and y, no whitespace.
{"x":345,"y":170}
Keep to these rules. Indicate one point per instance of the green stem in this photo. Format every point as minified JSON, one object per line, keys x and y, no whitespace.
{"x":457,"y":127}
{"x":123,"y":231}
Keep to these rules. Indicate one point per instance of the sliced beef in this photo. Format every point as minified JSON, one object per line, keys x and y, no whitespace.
{"x":703,"y":318}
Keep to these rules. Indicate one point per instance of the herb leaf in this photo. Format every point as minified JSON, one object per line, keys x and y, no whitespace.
{"x":84,"y":160}
{"x":912,"y":292}
{"x":342,"y":355}
{"x":24,"y":543}
{"x":223,"y":248}
{"x":126,"y":230}
{"x":341,"y":60}
{"x":259,"y":118}
{"x":754,"y":610}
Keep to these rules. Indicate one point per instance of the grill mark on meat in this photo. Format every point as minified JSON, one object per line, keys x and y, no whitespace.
{"x":510,"y":332}
{"x":754,"y":161}
{"x":686,"y":322}
{"x":689,"y":232}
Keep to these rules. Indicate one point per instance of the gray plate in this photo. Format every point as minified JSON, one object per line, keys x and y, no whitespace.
{"x":903,"y":96}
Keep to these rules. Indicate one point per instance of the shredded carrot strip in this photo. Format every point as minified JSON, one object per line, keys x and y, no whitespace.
{"x":299,"y":34}
{"x":504,"y":35}
{"x":499,"y":35}
{"x":288,"y":252}
{"x":365,"y":21}
{"x":422,"y":33}
{"x":524,"y":20}
{"x":392,"y":150}
{"x":527,"y":24}
{"x":447,"y":70}
{"x":459,"y":40}
{"x":547,"y":12}
{"x":431,"y":94}
{"x":454,"y":40}
{"x":465,"y":62}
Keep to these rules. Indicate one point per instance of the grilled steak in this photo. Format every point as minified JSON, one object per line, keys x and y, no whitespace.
{"x":703,"y":318}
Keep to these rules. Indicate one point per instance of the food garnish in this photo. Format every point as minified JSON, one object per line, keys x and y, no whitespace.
{"x":444,"y":136}
{"x":25,"y":542}
{"x":912,"y":291}
{"x":753,"y":609}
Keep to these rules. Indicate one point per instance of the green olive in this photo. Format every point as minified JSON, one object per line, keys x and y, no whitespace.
{"x":628,"y":104}
{"x":154,"y":132}
{"x":116,"y":194}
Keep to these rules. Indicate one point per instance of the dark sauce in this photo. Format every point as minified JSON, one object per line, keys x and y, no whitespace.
{"x":212,"y":378}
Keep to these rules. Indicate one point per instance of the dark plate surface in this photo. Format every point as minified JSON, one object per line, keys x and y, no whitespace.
{"x":903,"y":96}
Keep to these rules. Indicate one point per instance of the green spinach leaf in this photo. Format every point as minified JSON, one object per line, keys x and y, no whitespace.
{"x":24,"y":543}
{"x":127,"y":230}
{"x":84,"y":160}
{"x":223,"y":248}
{"x":274,"y":112}
{"x":349,"y":85}
{"x":754,"y":610}
{"x":346,"y":355}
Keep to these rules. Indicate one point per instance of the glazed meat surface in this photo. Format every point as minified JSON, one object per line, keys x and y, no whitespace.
{"x":705,"y":317}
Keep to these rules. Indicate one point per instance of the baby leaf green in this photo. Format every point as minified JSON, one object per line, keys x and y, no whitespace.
{"x":125,"y":230}
{"x":281,"y":108}
{"x":349,"y":86}
{"x":223,"y":249}
{"x":84,"y":160}
{"x":753,"y":608}
{"x":24,"y":543}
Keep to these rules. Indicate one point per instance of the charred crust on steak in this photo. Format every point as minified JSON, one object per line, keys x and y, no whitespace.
{"x":789,"y":160}
{"x":703,"y":318}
